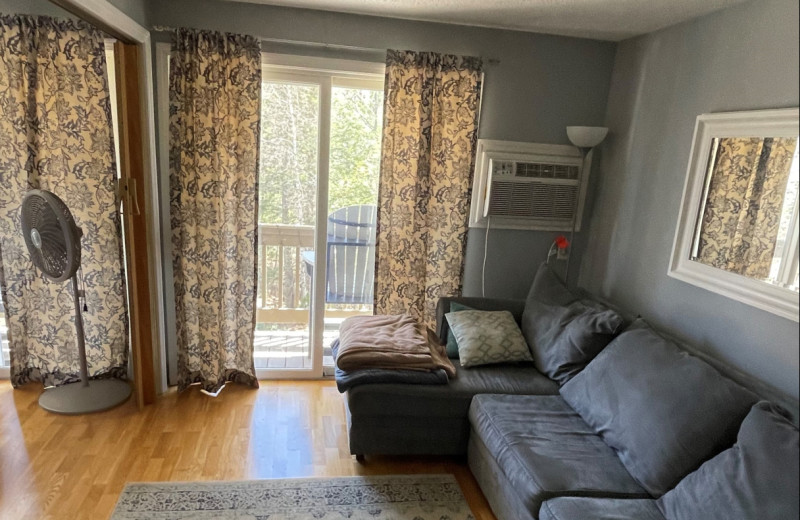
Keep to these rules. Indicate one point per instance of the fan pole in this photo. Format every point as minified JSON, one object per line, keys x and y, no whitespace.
{"x":79,"y":330}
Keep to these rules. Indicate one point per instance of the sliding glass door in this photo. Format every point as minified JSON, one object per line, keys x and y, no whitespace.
{"x":356,"y":119}
{"x":289,"y":185}
{"x":320,"y":149}
{"x":5,"y":355}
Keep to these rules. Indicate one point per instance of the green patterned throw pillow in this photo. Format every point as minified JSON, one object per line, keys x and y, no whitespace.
{"x":487,"y":337}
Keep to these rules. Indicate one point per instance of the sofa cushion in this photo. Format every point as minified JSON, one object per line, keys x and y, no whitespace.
{"x":487,"y":337}
{"x":452,"y":344}
{"x":579,"y":508}
{"x":546,"y":450}
{"x":663,"y":410}
{"x":756,"y":478}
{"x":563,"y":332}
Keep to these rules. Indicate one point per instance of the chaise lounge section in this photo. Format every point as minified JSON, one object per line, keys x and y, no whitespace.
{"x":402,"y":419}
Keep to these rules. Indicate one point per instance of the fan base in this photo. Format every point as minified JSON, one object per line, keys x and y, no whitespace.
{"x":75,"y":398}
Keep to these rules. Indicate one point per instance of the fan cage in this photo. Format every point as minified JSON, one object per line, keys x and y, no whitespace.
{"x":58,"y":255}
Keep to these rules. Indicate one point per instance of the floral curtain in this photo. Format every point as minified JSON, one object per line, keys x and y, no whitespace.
{"x":56,"y":134}
{"x":429,"y":136}
{"x":215,"y":103}
{"x":743,"y":207}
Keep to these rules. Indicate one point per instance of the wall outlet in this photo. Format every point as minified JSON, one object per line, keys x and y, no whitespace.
{"x":563,"y":254}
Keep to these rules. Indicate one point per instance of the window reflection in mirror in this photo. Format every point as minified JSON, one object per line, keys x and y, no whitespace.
{"x":748,"y":221}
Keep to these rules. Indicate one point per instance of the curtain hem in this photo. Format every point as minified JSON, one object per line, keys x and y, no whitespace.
{"x":59,"y":378}
{"x":212,"y":387}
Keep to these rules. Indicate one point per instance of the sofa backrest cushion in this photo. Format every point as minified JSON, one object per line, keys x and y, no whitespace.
{"x":759,"y":477}
{"x":663,"y":410}
{"x":563,"y":332}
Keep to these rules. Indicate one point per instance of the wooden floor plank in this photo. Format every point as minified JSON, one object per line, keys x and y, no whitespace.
{"x":55,"y":466}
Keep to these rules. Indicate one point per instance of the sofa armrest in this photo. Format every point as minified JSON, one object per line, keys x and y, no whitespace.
{"x":515,"y":307}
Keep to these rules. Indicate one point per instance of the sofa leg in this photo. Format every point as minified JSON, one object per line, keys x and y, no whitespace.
{"x":360,"y":458}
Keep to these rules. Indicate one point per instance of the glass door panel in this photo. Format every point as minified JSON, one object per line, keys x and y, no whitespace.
{"x":288,"y":184}
{"x":355,"y":144}
{"x":320,"y":158}
{"x":5,"y":358}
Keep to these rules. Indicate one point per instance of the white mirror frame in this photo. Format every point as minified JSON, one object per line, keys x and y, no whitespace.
{"x":767,"y":123}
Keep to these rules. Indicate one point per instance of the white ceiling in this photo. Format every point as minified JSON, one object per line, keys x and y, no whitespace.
{"x":599,"y":19}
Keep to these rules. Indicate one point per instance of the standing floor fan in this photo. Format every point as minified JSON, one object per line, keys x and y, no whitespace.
{"x":54,"y":243}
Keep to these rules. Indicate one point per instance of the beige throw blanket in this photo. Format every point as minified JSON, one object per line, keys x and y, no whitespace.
{"x":389,"y":342}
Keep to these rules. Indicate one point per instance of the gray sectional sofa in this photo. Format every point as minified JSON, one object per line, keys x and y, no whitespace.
{"x":632,"y":424}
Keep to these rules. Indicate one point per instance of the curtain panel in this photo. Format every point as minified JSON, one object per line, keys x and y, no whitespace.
{"x":56,"y":134}
{"x":744,"y":203}
{"x":429,"y":137}
{"x":215,"y":104}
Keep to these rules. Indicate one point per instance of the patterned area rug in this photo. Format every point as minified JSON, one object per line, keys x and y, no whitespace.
{"x":394,"y":497}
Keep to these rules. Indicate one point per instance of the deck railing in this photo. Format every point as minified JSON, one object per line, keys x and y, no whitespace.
{"x":284,"y":285}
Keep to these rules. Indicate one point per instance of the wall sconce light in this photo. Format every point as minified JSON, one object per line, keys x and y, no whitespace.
{"x":586,"y":137}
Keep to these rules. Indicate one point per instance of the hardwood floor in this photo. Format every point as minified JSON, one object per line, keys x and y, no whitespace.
{"x":54,"y":466}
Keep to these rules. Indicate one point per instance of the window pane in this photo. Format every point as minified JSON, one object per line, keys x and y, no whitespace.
{"x":788,"y":213}
{"x":289,"y":135}
{"x":356,"y":119}
{"x":5,"y":359}
{"x":287,"y":213}
{"x":355,"y":146}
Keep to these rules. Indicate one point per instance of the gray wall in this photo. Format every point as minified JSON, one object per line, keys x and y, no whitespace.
{"x":742,"y":58}
{"x":136,"y":9}
{"x":38,"y":7}
{"x":541,"y":85}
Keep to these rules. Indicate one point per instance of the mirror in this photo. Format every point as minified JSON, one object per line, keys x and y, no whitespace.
{"x":738,"y":228}
{"x":748,"y":217}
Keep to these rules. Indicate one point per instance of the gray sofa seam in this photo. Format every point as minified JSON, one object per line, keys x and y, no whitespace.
{"x":549,"y":510}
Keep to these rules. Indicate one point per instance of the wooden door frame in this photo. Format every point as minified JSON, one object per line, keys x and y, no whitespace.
{"x":130,"y":192}
{"x":105,"y":16}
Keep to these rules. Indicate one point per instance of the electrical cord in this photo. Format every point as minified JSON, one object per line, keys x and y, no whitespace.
{"x":485,"y":254}
{"x":550,"y":253}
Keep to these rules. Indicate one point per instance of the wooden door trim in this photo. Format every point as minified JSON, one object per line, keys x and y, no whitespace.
{"x":131,"y":191}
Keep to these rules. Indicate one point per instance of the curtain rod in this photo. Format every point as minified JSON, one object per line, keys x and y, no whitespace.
{"x":333,"y":46}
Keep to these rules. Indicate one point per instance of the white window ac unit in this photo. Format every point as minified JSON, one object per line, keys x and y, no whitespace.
{"x":527,"y":186}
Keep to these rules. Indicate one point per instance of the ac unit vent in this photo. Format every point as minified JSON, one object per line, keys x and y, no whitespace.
{"x":532,"y":200}
{"x":546,"y":171}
